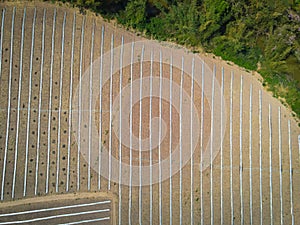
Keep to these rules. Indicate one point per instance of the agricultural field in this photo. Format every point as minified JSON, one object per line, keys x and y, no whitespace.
{"x":157,"y":133}
{"x":69,"y":209}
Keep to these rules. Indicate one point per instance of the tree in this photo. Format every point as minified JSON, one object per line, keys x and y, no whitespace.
{"x":180,"y":23}
{"x":216,"y":14}
{"x":135,"y":14}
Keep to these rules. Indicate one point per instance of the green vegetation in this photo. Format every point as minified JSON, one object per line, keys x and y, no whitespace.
{"x":262,"y":35}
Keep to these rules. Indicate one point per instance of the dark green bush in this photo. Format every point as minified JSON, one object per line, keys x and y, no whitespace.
{"x":235,"y":51}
